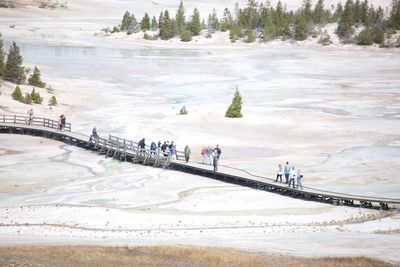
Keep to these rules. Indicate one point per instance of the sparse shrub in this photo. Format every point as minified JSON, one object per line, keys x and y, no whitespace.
{"x":314,"y":34}
{"x":17,"y":94}
{"x":150,"y":37}
{"x":186,"y":36}
{"x":50,"y":89}
{"x":234,"y":109}
{"x":250,"y":37}
{"x":183,"y":111}
{"x":53,"y":101}
{"x":42,"y":4}
{"x":325,"y":39}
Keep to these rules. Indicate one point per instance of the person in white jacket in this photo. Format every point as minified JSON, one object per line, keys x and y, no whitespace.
{"x":293,"y":176}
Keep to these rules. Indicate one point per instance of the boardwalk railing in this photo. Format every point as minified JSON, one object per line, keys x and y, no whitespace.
{"x":17,"y":119}
{"x":128,"y":150}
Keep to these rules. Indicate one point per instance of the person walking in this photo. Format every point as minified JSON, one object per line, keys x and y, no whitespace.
{"x":30,"y":116}
{"x":293,"y":176}
{"x":215,"y":161}
{"x":287,"y":172}
{"x":142,"y":145}
{"x":153,"y":148}
{"x":279,"y":173}
{"x":299,"y":180}
{"x":187,"y":153}
{"x":60,"y":123}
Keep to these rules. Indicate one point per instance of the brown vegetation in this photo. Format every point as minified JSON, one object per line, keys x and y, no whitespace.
{"x":162,"y":256}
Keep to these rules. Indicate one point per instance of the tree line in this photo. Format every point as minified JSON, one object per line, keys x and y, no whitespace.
{"x":261,"y":20}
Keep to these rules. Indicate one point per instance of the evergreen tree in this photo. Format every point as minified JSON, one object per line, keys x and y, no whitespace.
{"x":180,"y":18}
{"x":2,"y":59}
{"x":165,"y":26}
{"x":379,"y":35}
{"x":133,"y":26}
{"x":395,"y":15}
{"x":53,"y":101}
{"x":250,"y":37}
{"x":213,"y":22}
{"x":338,"y":12}
{"x":364,"y":13}
{"x":346,"y":22}
{"x":145,"y":25}
{"x":14,"y":71}
{"x":35,"y":79}
{"x":154,"y":24}
{"x":35,"y":96}
{"x":319,"y":12}
{"x":17,"y":94}
{"x":269,"y":29}
{"x":357,"y":11}
{"x":27,"y":99}
{"x":300,"y":28}
{"x":235,"y":108}
{"x":195,"y":25}
{"x":365,"y":37}
{"x":126,"y":21}
{"x":227,"y":20}
{"x":307,"y":10}
{"x":235,"y":33}
{"x":186,"y":36}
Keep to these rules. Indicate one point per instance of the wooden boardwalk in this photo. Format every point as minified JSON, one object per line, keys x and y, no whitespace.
{"x":127,"y":150}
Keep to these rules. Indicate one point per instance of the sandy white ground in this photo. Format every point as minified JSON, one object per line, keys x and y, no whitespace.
{"x":331,"y":111}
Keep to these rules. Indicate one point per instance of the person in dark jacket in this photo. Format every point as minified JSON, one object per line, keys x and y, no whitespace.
{"x":142,"y":145}
{"x":187,"y":153}
{"x":153,"y":148}
{"x":217,"y":152}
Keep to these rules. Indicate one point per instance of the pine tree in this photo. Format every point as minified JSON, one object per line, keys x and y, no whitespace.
{"x":17,"y":94}
{"x":357,"y":11}
{"x":395,"y":15}
{"x":250,"y":37}
{"x":269,"y":29}
{"x":234,"y":109}
{"x":307,"y":10}
{"x":346,"y":22}
{"x":53,"y":101}
{"x":126,"y":21}
{"x":186,"y":36}
{"x":180,"y":17}
{"x":2,"y":59}
{"x":195,"y":25}
{"x":379,"y":35}
{"x":35,"y":96}
{"x":365,"y":37}
{"x":145,"y":25}
{"x":165,"y":26}
{"x":364,"y":13}
{"x":35,"y":78}
{"x":154,"y":24}
{"x":300,"y":28}
{"x":319,"y":12}
{"x":227,"y":20}
{"x":338,"y":12}
{"x":133,"y":26}
{"x":213,"y":22}
{"x":14,"y":71}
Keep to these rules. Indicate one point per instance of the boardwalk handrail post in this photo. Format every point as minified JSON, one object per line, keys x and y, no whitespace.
{"x":15,"y":119}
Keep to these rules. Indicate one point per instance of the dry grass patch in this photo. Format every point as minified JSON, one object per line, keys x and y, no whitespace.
{"x":163,"y":256}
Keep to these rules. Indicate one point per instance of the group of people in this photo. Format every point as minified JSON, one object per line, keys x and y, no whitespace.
{"x":211,"y":156}
{"x":292,"y":176}
{"x":61,"y":122}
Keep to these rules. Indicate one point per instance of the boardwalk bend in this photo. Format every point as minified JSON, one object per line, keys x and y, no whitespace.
{"x":127,"y":150}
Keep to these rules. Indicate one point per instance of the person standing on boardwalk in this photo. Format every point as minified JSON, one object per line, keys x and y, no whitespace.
{"x":204,"y":155}
{"x":30,"y":116}
{"x":187,"y":153}
{"x":299,"y":180}
{"x":217,"y":152}
{"x":142,"y":145}
{"x":293,"y":176}
{"x":209,"y":156}
{"x":94,"y":133}
{"x":279,"y":173}
{"x":215,"y":161}
{"x":153,"y":148}
{"x":60,"y":123}
{"x":287,"y":172}
{"x":63,"y":121}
